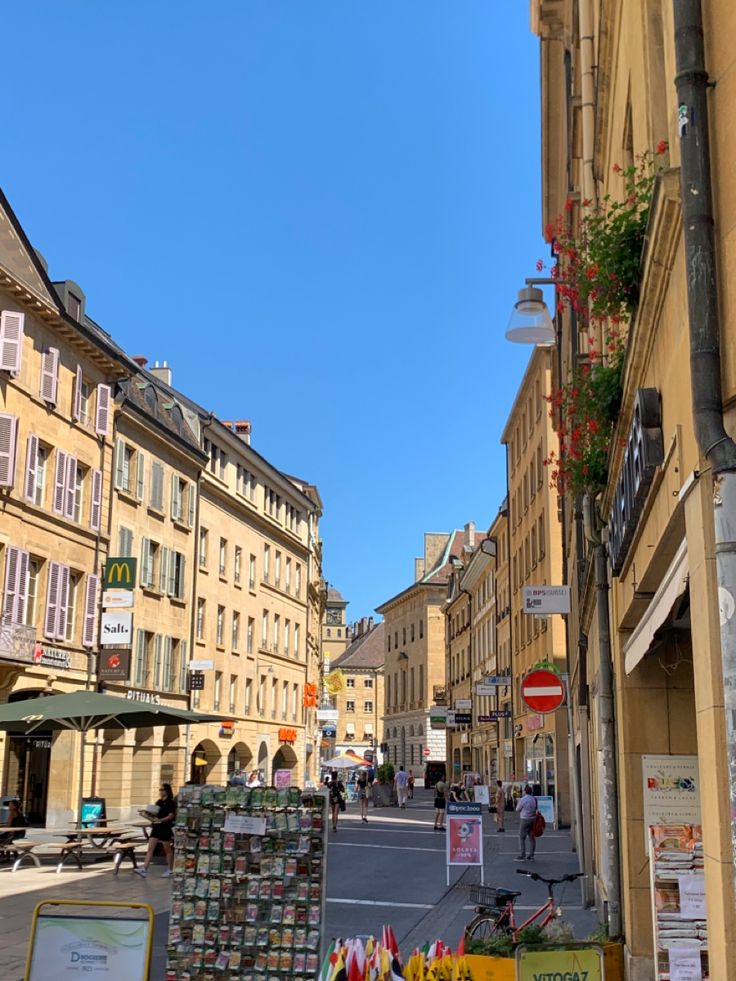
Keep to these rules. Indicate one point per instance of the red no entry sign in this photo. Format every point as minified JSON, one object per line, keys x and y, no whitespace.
{"x":543,"y":691}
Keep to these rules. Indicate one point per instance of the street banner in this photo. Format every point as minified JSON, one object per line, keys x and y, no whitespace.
{"x":464,"y":833}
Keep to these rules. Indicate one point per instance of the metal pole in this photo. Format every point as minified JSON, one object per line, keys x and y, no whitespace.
{"x":82,"y":736}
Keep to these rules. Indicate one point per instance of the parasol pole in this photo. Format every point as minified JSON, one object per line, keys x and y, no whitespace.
{"x":82,"y":734}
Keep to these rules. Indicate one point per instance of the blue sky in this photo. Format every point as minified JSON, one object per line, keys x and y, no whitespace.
{"x":319,"y":213}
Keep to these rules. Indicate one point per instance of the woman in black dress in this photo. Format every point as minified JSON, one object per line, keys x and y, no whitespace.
{"x":336,"y":789}
{"x":162,"y":830}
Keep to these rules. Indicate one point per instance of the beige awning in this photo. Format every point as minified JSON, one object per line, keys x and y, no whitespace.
{"x":672,"y":587}
{"x":368,"y":728}
{"x":350,"y":728}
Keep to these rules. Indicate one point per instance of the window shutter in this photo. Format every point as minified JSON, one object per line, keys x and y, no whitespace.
{"x":119,"y":464}
{"x":49,"y":374}
{"x":77,"y":403}
{"x":11,"y":340}
{"x":102,"y":416}
{"x":52,"y":600}
{"x":12,"y":556}
{"x":8,"y":433}
{"x":24,"y":562}
{"x":167,"y":678}
{"x":140,"y":653}
{"x":29,"y":489}
{"x":163,"y":577}
{"x":63,"y":602}
{"x":140,"y":475}
{"x":59,"y":478}
{"x":125,"y":542}
{"x":183,"y":666}
{"x":70,"y":481}
{"x":157,"y":661}
{"x":192,"y":496}
{"x":90,"y":611}
{"x":157,"y":487}
{"x":95,"y":508}
{"x":145,"y":562}
{"x":180,"y":583}
{"x":172,"y":573}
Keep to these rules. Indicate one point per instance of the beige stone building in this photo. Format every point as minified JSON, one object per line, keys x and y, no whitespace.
{"x":650,"y":630}
{"x":458,"y":674}
{"x":335,"y":628}
{"x":415,"y":653}
{"x":535,"y":557}
{"x":57,"y":369}
{"x":360,"y":704}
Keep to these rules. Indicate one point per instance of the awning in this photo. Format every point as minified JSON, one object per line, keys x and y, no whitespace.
{"x":200,"y":761}
{"x":350,"y":728}
{"x":368,"y":728}
{"x":672,"y":587}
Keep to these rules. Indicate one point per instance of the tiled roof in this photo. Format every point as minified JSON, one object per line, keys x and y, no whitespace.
{"x":142,"y":392}
{"x":366,"y":651}
{"x":456,"y":547}
{"x":335,"y":596}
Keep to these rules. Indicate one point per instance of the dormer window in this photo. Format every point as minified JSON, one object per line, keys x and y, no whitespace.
{"x":74,"y":305}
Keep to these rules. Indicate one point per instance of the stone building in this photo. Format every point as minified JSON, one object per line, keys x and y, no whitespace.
{"x":335,"y":629}
{"x":360,"y":704}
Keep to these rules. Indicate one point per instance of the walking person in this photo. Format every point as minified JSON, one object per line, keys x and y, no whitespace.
{"x":527,"y":809}
{"x":401,"y":781}
{"x":500,"y":807}
{"x":336,"y":790}
{"x":411,"y":785}
{"x":362,"y":787}
{"x":162,"y":830}
{"x":440,"y":803}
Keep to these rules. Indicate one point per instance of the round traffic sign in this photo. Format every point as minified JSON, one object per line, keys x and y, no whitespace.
{"x":425,"y":752}
{"x":543,"y":691}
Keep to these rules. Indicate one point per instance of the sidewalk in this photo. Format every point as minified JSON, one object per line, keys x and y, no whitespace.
{"x":554,"y":857}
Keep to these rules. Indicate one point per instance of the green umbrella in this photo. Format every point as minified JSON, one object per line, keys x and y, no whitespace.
{"x":82,"y":711}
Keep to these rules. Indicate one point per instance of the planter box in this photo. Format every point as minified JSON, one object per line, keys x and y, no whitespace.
{"x":383,"y":794}
{"x":504,"y":968}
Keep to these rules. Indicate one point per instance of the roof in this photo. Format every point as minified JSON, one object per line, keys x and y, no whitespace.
{"x":366,"y":651}
{"x":335,"y":596}
{"x":144,"y":394}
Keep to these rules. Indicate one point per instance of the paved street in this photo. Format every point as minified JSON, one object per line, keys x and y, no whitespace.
{"x":391,"y":870}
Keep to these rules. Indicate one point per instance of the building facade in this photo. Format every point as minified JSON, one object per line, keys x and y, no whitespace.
{"x":335,"y":629}
{"x":359,"y":705}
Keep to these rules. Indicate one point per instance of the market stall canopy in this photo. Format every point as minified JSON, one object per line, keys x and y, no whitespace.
{"x":345,"y":761}
{"x":83,"y":711}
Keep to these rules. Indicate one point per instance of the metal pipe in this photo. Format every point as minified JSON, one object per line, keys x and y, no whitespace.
{"x":691,"y":82}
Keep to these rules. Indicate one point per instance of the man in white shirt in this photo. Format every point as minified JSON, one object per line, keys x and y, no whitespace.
{"x":527,"y":808}
{"x":401,"y":781}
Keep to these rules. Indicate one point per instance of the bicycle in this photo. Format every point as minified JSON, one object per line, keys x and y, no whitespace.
{"x":494,"y":908}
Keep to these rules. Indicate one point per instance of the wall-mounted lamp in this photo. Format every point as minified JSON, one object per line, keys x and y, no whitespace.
{"x":530,"y":321}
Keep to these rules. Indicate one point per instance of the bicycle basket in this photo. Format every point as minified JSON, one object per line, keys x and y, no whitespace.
{"x":487,"y":896}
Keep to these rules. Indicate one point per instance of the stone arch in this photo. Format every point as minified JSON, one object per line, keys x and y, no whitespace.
{"x":263,"y":760}
{"x":239,"y":757}
{"x":411,"y":731}
{"x":172,"y":762}
{"x":284,"y":759}
{"x":204,"y":759}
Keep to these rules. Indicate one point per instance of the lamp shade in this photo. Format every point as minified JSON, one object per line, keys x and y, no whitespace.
{"x":530,"y":322}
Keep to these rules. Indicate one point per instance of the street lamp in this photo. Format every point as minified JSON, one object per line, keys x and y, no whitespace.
{"x":530,"y":321}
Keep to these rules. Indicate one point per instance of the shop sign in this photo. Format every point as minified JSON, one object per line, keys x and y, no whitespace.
{"x":542,"y":600}
{"x":578,"y":963}
{"x":671,"y":790}
{"x":282,"y":779}
{"x":51,"y":657}
{"x":534,"y":722}
{"x":508,"y":747}
{"x":458,"y":718}
{"x":464,"y":833}
{"x":484,"y":690}
{"x":120,"y":572}
{"x":82,"y":946}
{"x":116,"y":628}
{"x":644,"y":453}
{"x":494,"y":715}
{"x":201,"y":665}
{"x":287,"y":735}
{"x":327,"y":715}
{"x":329,"y":732}
{"x":114,"y":666}
{"x":196,"y":681}
{"x":135,"y":695}
{"x":463,"y":705}
{"x":117,"y":599}
{"x":498,"y":680}
{"x":438,"y":716}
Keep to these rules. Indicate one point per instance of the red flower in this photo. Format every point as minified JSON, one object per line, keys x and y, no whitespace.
{"x":616,"y":168}
{"x":662,"y":147}
{"x":568,"y":204}
{"x":593,"y":425}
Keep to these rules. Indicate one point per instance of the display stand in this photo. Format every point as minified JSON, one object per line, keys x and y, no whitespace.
{"x":248,"y":891}
{"x":679,"y":915}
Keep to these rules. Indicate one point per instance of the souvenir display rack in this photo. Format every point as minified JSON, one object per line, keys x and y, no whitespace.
{"x":248,"y":890}
{"x":675,"y":858}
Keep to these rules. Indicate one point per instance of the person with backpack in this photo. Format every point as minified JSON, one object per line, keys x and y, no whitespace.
{"x":527,"y":811}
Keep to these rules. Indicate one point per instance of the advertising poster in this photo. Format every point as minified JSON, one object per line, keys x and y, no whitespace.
{"x":95,"y":947}
{"x":583,"y":963}
{"x":685,"y":964}
{"x":480,"y":794}
{"x":671,"y":790}
{"x":281,"y":779}
{"x":546,"y":807}
{"x":464,"y":834}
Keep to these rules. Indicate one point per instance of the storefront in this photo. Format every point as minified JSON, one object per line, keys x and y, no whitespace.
{"x":539,"y":763}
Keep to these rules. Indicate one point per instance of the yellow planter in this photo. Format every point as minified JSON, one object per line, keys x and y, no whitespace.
{"x":504,"y":968}
{"x":613,"y":961}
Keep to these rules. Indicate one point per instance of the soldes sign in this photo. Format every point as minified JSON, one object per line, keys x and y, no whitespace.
{"x":644,"y":453}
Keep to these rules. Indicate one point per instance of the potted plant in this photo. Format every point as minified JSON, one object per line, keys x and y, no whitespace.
{"x":383,"y":789}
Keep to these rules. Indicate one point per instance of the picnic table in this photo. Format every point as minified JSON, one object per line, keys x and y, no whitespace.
{"x":116,"y":841}
{"x":145,"y":824}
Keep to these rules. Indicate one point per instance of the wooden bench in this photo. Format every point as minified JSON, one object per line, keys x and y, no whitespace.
{"x":124,"y":848}
{"x":30,"y":849}
{"x":24,"y":849}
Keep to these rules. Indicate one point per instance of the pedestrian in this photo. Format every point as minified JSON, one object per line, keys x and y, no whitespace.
{"x":401,"y":780}
{"x":336,"y":790}
{"x":527,"y":808}
{"x":162,"y":830}
{"x":500,"y":807}
{"x":411,"y":785}
{"x":16,"y":819}
{"x":439,"y":805}
{"x":362,"y":787}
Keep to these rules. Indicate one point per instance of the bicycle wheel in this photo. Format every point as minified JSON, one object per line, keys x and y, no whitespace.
{"x":486,"y":924}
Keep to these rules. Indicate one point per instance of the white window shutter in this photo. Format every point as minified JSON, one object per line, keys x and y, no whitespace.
{"x":157,"y":487}
{"x":145,"y":561}
{"x":157,"y":661}
{"x":24,"y":562}
{"x":175,"y":498}
{"x":192,"y":498}
{"x":90,"y":611}
{"x":181,"y":581}
{"x":63,"y":602}
{"x":8,"y":435}
{"x":49,"y":374}
{"x":119,"y":481}
{"x":140,"y":475}
{"x":140,"y":651}
{"x":10,"y":590}
{"x":77,"y":403}
{"x":102,"y":416}
{"x":172,"y":573}
{"x":183,"y":666}
{"x":167,"y":664}
{"x":163,"y":577}
{"x":11,"y":341}
{"x":70,"y":483}
{"x":59,"y":482}
{"x":95,"y":508}
{"x":29,"y":488}
{"x":52,"y":600}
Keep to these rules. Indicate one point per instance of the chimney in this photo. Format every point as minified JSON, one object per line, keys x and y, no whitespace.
{"x":242,"y":428}
{"x":418,"y":569}
{"x":140,"y":360}
{"x":162,"y":372}
{"x":470,"y":534}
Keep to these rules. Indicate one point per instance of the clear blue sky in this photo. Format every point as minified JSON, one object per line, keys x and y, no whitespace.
{"x":318,"y":212}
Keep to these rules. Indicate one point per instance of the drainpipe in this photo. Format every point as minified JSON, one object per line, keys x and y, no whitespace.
{"x":606,"y":718}
{"x":715,"y":444}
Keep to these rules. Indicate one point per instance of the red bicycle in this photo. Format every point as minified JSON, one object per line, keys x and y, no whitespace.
{"x":494,"y":908}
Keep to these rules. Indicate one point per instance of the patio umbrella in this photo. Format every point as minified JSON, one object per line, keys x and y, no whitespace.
{"x":83,"y":711}
{"x":344,"y":761}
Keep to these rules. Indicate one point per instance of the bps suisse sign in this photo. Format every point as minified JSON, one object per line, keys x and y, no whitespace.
{"x":644,"y":453}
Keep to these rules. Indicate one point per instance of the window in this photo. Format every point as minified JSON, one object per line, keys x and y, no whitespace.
{"x":168,"y":664}
{"x":32,"y":590}
{"x":35,"y":476}
{"x":388,"y":691}
{"x":11,"y":341}
{"x":203,"y":541}
{"x":247,"y":703}
{"x":178,"y":494}
{"x":176,"y":573}
{"x":65,"y":484}
{"x":276,"y":631}
{"x":236,"y":630}
{"x":350,"y":682}
{"x":296,"y":640}
{"x":540,"y":535}
{"x":264,"y":630}
{"x":287,"y":575}
{"x":223,"y":556}
{"x":412,"y":632}
{"x":266,"y":562}
{"x":368,"y":682}
{"x":238,"y":563}
{"x":78,"y":491}
{"x":277,"y":570}
{"x":295,"y":703}
{"x":329,"y":632}
{"x":201,"y":606}
{"x":125,"y":542}
{"x":252,"y":572}
{"x":218,"y":690}
{"x":284,"y":698}
{"x":49,"y":375}
{"x":249,"y":635}
{"x":220,"y":626}
{"x":262,"y":695}
{"x":71,"y":608}
{"x":403,"y":636}
{"x":156,"y":500}
{"x":367,"y":706}
{"x":233,"y":691}
{"x":124,"y":466}
{"x":142,"y":672}
{"x":274,"y":690}
{"x":298,"y":580}
{"x":287,"y":631}
{"x":350,"y":706}
{"x":396,"y":640}
{"x":389,"y":642}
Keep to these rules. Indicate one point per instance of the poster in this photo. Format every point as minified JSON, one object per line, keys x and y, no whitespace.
{"x":546,"y":807}
{"x":576,"y":963}
{"x":89,"y":947}
{"x":282,"y":779}
{"x":480,"y":794}
{"x":685,"y":964}
{"x":671,"y":790}
{"x":692,"y":896}
{"x":244,"y":824}
{"x":464,"y":833}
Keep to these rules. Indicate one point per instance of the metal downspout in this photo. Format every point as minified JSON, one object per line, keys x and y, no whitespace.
{"x":691,"y":82}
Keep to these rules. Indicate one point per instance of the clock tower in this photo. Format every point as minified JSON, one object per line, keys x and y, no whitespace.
{"x":335,"y":635}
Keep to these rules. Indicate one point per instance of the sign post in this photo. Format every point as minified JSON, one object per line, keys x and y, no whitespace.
{"x":464,"y":835}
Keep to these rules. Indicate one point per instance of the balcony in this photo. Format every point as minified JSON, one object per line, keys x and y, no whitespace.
{"x":17,"y":641}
